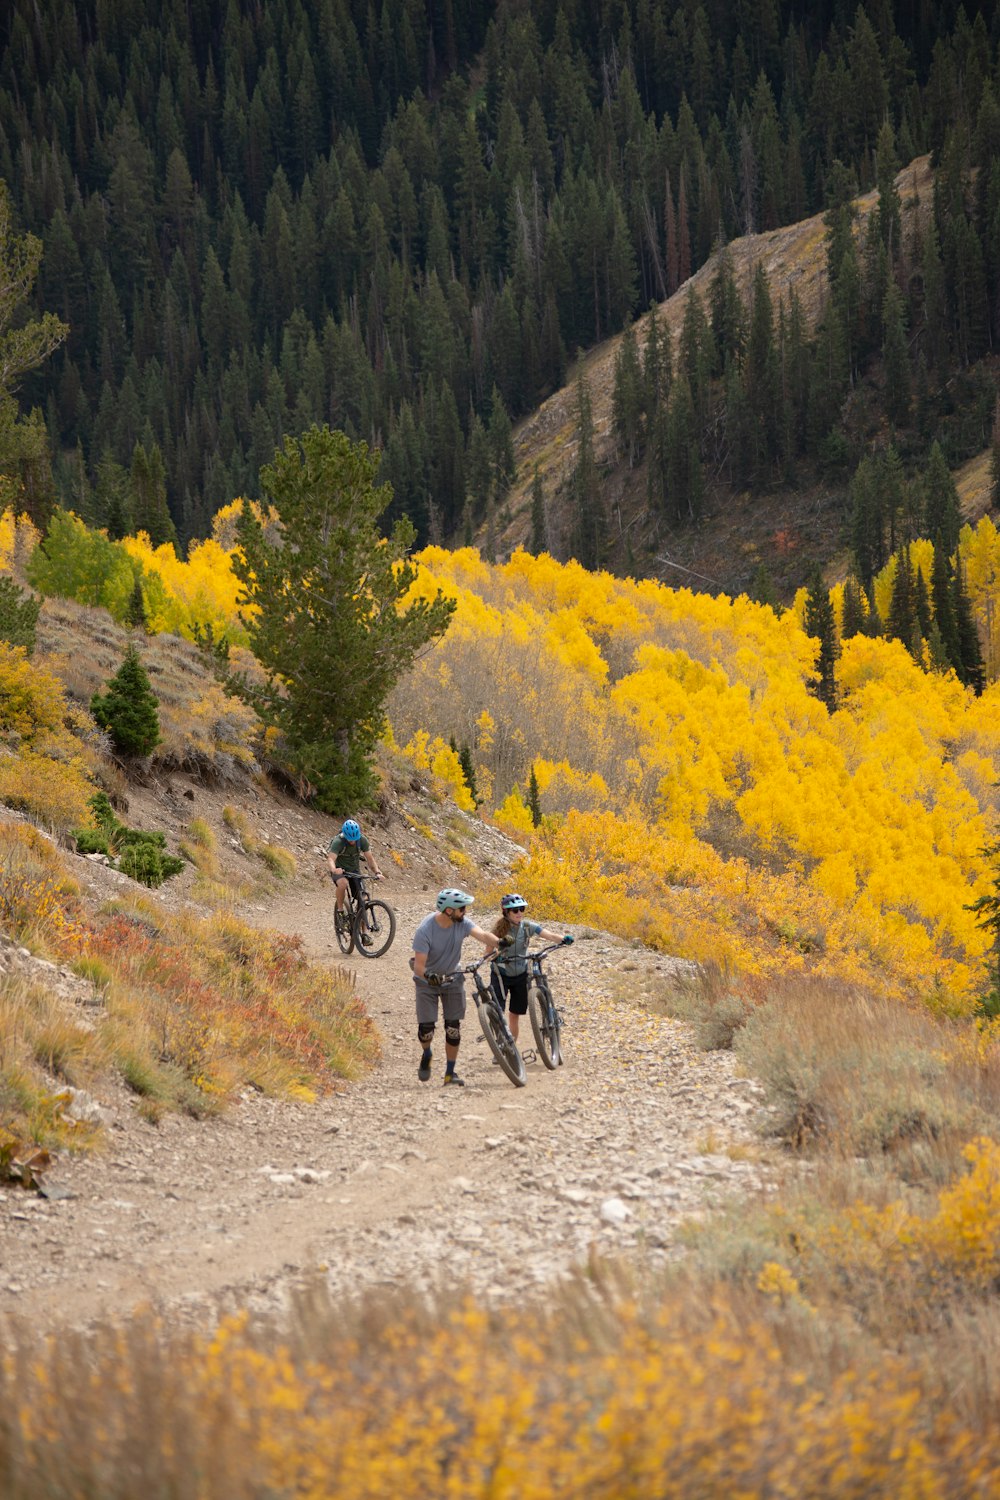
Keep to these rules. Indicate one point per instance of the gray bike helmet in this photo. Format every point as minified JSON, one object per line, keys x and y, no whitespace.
{"x":513,"y":902}
{"x":453,"y":897}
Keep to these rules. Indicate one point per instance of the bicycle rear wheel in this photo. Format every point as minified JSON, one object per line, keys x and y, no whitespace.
{"x":374,"y":928}
{"x":502,"y":1044}
{"x":544,"y":1023}
{"x":343,"y":926}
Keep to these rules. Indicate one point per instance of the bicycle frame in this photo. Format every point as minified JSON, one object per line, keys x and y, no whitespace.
{"x":494,"y":1023}
{"x":542,"y":1013}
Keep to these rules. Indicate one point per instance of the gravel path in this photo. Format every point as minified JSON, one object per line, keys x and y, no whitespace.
{"x":393,"y":1180}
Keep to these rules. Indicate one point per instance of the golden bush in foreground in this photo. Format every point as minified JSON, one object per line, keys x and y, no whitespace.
{"x":603,"y":1396}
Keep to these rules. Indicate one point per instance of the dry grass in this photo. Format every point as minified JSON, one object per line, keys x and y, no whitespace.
{"x":279,"y":862}
{"x":846,"y":1070}
{"x":205,"y":731}
{"x":185,"y":1010}
{"x":607,"y":1389}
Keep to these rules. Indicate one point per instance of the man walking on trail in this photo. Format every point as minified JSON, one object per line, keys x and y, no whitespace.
{"x":437,"y":976}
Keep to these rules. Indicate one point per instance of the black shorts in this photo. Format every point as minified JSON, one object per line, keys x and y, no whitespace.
{"x":514,"y":987}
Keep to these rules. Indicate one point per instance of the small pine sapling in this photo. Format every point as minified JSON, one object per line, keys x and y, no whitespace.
{"x":128,"y":710}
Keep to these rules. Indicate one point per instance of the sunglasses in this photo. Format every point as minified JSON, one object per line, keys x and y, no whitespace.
{"x":456,"y":908}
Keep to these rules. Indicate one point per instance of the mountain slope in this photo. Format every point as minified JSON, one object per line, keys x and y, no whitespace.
{"x":737,"y":531}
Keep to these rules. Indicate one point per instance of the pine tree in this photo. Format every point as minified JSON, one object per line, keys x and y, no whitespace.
{"x":922,"y":604}
{"x":821,"y":625}
{"x":539,"y":529}
{"x":894,"y":355}
{"x":970,"y":668}
{"x":328,"y":589}
{"x":534,"y":803}
{"x":657,"y":365}
{"x":18,"y":615}
{"x":853,"y":610}
{"x":902,"y":622}
{"x":135,"y":610}
{"x":942,"y":517}
{"x":867,"y":530}
{"x":987,"y":912}
{"x":501,"y":446}
{"x":129,"y":708}
{"x":762,"y":588}
{"x":943,"y":604}
{"x":761,"y":383}
{"x":627,"y":397}
{"x":588,"y":521}
{"x":684,"y":479}
{"x":148,"y":495}
{"x":889,"y":212}
{"x":469,"y":771}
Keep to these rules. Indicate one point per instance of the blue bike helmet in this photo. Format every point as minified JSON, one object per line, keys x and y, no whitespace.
{"x":513,"y":902}
{"x":351,"y":831}
{"x":452,"y":897}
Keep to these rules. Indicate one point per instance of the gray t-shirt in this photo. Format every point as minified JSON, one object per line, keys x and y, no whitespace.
{"x":443,"y":945}
{"x":514,"y":946}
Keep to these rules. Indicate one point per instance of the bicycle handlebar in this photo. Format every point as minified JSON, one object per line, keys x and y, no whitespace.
{"x":486,"y":958}
{"x":536,"y":954}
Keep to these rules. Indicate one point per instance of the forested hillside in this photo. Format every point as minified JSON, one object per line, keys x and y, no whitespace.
{"x":406,"y":221}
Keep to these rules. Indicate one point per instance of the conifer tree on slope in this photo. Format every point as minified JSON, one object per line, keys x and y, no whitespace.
{"x":328,"y":625}
{"x":128,"y":710}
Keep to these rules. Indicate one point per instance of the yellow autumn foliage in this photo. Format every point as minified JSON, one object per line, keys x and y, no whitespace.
{"x":203,"y":590}
{"x":858,"y":832}
{"x":45,"y":762}
{"x":18,"y":539}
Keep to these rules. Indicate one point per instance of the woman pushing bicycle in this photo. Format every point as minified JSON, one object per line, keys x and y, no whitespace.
{"x":515,"y":933}
{"x":344,"y":858}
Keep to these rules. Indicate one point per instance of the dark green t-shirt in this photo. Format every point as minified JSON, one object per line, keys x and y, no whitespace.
{"x":348,"y":856}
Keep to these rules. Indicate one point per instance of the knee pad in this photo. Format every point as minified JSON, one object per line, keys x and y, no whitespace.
{"x":425,"y":1034}
{"x":453,"y":1032}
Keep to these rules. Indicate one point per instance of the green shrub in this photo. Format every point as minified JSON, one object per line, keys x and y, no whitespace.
{"x":148,"y":864}
{"x":91,"y":841}
{"x":140,"y":853}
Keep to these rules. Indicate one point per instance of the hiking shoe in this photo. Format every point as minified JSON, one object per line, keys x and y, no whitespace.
{"x":454,"y":1081}
{"x":424,"y":1071}
{"x":365,"y":938}
{"x":340,"y":921}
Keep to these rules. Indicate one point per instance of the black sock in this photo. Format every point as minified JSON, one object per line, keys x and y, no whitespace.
{"x":450,"y":1066}
{"x":426,"y":1057}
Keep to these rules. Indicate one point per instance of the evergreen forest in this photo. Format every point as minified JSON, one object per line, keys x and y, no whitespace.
{"x":405,"y":221}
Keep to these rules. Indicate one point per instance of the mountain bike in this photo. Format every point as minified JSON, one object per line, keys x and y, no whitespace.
{"x":494,"y":1024}
{"x":365,"y":925}
{"x":545,"y":1019}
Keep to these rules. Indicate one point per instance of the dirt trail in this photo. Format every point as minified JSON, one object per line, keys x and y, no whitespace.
{"x":393,"y":1180}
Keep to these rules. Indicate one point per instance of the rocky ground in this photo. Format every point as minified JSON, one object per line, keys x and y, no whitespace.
{"x":395,"y":1181}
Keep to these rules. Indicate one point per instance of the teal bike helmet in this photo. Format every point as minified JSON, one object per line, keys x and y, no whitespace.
{"x":452,"y":897}
{"x":513,"y":902}
{"x":351,"y":831}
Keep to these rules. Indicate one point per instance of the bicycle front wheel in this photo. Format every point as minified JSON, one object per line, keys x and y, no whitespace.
{"x":374,"y":928}
{"x":544,"y":1024}
{"x":343,"y":926}
{"x":502,"y":1044}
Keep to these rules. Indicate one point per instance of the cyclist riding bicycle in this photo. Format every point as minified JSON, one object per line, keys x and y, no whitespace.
{"x":344,"y":858}
{"x":437,"y":976}
{"x":515,"y":932}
